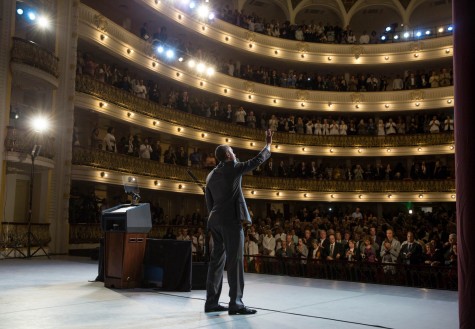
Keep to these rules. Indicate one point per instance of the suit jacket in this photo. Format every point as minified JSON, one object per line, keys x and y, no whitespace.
{"x":412,"y":255}
{"x":224,"y":197}
{"x":337,"y":249}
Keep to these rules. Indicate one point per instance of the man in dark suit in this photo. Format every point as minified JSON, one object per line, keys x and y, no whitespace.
{"x":411,"y":251}
{"x":227,"y":210}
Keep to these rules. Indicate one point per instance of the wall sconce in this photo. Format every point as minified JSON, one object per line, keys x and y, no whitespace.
{"x":276,"y":52}
{"x":201,"y":83}
{"x":129,"y":114}
{"x":226,"y":38}
{"x":250,"y":97}
{"x":103,"y":174}
{"x":178,"y":129}
{"x":447,"y":50}
{"x":253,"y":192}
{"x":225,"y":91}
{"x":303,"y":149}
{"x":250,"y":45}
{"x":360,"y":196}
{"x":277,"y":146}
{"x":417,"y":103}
{"x":302,"y":56}
{"x":178,"y":74}
{"x":386,"y":106}
{"x":203,"y":135}
{"x":278,"y":194}
{"x":129,"y":51}
{"x":252,"y":143}
{"x":179,"y":17}
{"x":389,"y":196}
{"x":305,"y":195}
{"x":357,"y":106}
{"x":154,"y":123}
{"x":453,"y":196}
{"x":421,"y":196}
{"x":332,"y":196}
{"x":419,"y":149}
{"x":227,"y":140}
{"x":275,"y":101}
{"x":102,"y":37}
{"x":302,"y":104}
{"x":330,"y":104}
{"x":154,"y":64}
{"x":360,"y":150}
{"x":388,"y":150}
{"x":180,"y":186}
{"x":416,"y":55}
{"x":449,"y":101}
{"x":203,"y":27}
{"x":386,"y":57}
{"x":329,"y":58}
{"x":331,"y":150}
{"x":157,"y":183}
{"x":101,"y":104}
{"x":451,"y":147}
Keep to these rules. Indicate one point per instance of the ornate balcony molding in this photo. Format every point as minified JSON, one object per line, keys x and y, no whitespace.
{"x":129,"y":47}
{"x":294,"y":50}
{"x":107,"y":167}
{"x":29,"y":53}
{"x":15,"y":234}
{"x":19,"y":144}
{"x":117,"y":103}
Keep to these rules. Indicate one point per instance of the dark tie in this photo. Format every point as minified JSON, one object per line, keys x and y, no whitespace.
{"x":331,"y":250}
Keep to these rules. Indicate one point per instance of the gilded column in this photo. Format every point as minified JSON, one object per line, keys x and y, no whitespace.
{"x":63,"y":108}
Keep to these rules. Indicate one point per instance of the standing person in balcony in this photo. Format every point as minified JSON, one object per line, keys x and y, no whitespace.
{"x":227,"y":210}
{"x":109,"y":141}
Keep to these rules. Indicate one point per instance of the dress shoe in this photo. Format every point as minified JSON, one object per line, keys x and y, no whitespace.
{"x":243,"y":311}
{"x":218,"y":308}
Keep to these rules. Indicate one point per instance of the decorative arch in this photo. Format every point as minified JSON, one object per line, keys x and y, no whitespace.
{"x":334,"y":5}
{"x":284,"y":5}
{"x":361,"y":4}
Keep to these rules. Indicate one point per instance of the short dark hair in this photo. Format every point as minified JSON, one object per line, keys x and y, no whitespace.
{"x":220,"y":152}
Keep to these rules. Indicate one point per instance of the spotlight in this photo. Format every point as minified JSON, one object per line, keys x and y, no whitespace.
{"x":210,"y":71}
{"x":31,"y":15}
{"x":211,"y":16}
{"x":43,"y":22}
{"x":427,"y":32}
{"x":170,"y":54}
{"x":440,"y":30}
{"x":203,"y":11}
{"x":191,"y":63}
{"x":383,"y":37}
{"x":200,"y":68}
{"x":181,"y":59}
{"x":450,"y":28}
{"x":396,"y":37}
{"x":19,"y":11}
{"x":406,"y":35}
{"x":192,"y":5}
{"x":410,"y":211}
{"x":160,"y":49}
{"x":39,"y":124}
{"x":418,"y":34}
{"x":388,"y":28}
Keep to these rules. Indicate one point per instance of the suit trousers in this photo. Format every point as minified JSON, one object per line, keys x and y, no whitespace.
{"x":228,"y":249}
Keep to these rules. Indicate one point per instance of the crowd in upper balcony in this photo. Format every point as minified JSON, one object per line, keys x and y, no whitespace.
{"x":310,"y":124}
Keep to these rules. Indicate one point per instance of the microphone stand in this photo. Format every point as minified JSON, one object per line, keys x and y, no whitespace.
{"x":197,"y":182}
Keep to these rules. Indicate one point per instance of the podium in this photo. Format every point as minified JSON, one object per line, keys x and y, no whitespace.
{"x":126,"y":227}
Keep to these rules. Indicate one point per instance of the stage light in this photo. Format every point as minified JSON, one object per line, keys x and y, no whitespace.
{"x":19,"y":11}
{"x":31,"y":15}
{"x":210,"y":71}
{"x":410,"y":211}
{"x":450,"y":28}
{"x":406,"y":35}
{"x":160,"y":49}
{"x":418,"y":34}
{"x":192,"y":5}
{"x":39,"y":124}
{"x":396,"y":37}
{"x":441,"y":30}
{"x":383,"y":37}
{"x":191,"y":63}
{"x":200,"y":68}
{"x":170,"y":54}
{"x":203,"y":11}
{"x":44,"y":22}
{"x":181,"y":59}
{"x":427,"y":32}
{"x":388,"y":28}
{"x":211,"y":16}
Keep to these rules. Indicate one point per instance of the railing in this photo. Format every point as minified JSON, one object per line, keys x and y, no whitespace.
{"x":15,"y":235}
{"x":108,"y":93}
{"x":23,"y":141}
{"x":28,"y":52}
{"x":128,"y":164}
{"x":421,"y":276}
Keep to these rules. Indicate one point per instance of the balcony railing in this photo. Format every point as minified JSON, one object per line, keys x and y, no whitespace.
{"x":111,"y":94}
{"x":23,"y":141}
{"x":132,"y":165}
{"x":14,"y":236}
{"x":29,"y":53}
